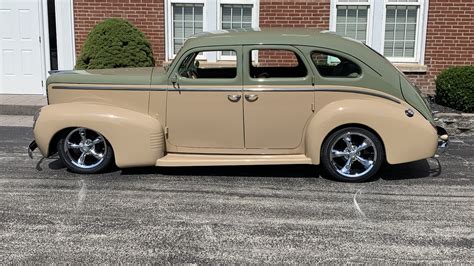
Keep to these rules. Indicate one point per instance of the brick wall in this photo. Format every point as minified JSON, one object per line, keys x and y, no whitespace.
{"x":295,"y":13}
{"x":449,"y":39}
{"x":147,"y":15}
{"x":449,"y":36}
{"x":277,"y":58}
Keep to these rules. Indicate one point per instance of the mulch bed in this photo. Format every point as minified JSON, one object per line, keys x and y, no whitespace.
{"x":443,"y":109}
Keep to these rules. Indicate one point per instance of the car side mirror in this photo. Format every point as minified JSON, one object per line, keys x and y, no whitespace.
{"x":174,"y":80}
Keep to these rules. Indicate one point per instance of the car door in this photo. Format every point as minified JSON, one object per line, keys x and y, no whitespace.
{"x":278,"y":96}
{"x":204,"y":102}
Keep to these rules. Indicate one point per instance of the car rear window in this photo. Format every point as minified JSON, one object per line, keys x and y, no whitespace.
{"x":333,"y":66}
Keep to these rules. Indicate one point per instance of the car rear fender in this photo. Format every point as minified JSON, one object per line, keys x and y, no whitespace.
{"x":137,"y":138}
{"x":405,"y":139}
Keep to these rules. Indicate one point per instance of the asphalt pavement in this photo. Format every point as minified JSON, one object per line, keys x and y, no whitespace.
{"x":420,"y":212}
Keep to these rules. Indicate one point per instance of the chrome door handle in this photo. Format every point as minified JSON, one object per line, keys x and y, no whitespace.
{"x":234,"y":98}
{"x":251,"y":97}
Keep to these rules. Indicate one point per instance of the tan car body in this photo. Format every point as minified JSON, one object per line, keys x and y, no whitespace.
{"x":149,"y":122}
{"x":138,"y":138}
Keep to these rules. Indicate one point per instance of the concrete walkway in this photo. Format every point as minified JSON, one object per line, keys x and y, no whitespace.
{"x":15,"y":104}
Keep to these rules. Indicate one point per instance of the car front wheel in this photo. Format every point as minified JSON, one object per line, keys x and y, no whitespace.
{"x":85,"y":151}
{"x":352,"y":154}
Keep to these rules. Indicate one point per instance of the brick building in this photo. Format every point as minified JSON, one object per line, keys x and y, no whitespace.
{"x":421,"y":37}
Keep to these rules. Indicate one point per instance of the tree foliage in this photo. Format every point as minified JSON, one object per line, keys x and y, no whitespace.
{"x":115,"y":43}
{"x":455,"y":88}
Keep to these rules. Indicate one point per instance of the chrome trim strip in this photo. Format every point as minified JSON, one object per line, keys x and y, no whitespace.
{"x":172,"y":89}
{"x":393,"y":99}
{"x":245,"y":89}
{"x":125,"y":88}
{"x":205,"y":89}
{"x":100,"y":88}
{"x":296,"y":89}
{"x":223,"y":89}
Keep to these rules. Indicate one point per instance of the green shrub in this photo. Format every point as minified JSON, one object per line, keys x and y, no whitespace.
{"x":115,"y":43}
{"x":455,"y":88}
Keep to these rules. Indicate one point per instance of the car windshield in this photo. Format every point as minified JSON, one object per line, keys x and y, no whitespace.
{"x":167,"y":65}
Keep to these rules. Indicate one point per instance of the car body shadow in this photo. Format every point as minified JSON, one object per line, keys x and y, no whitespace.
{"x":296,"y":171}
{"x":57,"y":164}
{"x":412,"y":170}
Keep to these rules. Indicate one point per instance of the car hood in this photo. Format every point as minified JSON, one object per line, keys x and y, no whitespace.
{"x":122,"y":76}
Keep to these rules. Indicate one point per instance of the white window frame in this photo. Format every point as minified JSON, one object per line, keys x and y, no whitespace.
{"x":255,"y":13}
{"x":66,"y":46}
{"x":65,"y":34}
{"x":212,"y":21}
{"x":370,"y":6}
{"x":376,"y":31}
{"x":169,"y":22}
{"x":420,"y":31}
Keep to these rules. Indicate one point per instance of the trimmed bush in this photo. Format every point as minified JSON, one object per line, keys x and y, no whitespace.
{"x":455,"y":88}
{"x":115,"y":43}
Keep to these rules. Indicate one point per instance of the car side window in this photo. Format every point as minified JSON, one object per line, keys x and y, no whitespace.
{"x":276,"y":63}
{"x":333,"y":66}
{"x":195,"y":66}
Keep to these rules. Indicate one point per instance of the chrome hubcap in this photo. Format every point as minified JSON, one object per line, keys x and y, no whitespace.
{"x":353,"y":154}
{"x":85,"y":148}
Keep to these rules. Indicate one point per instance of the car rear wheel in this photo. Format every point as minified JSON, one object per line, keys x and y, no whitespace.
{"x":352,"y":154}
{"x":85,"y":151}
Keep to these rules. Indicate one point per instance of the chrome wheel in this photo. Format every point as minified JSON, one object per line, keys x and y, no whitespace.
{"x":353,"y":154}
{"x":85,"y":148}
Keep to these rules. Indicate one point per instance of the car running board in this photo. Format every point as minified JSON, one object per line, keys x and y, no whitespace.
{"x":174,"y":159}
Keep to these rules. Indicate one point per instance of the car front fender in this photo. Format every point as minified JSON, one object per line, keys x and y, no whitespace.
{"x":137,"y":138}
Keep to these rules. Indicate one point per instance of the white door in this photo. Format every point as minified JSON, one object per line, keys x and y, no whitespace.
{"x":21,"y":67}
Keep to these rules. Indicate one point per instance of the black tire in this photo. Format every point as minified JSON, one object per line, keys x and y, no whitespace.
{"x":68,"y":153}
{"x":352,"y":161}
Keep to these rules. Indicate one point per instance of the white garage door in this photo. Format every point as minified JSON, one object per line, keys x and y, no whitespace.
{"x":21,"y":69}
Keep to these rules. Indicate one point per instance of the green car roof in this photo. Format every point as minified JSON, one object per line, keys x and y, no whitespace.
{"x":302,"y":37}
{"x":296,"y":37}
{"x":287,"y":36}
{"x":281,"y":36}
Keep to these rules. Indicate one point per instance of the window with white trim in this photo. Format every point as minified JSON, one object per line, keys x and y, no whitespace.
{"x":185,"y":18}
{"x":394,"y":28}
{"x":187,"y":21}
{"x":400,"y":30}
{"x":351,"y":19}
{"x":235,"y":17}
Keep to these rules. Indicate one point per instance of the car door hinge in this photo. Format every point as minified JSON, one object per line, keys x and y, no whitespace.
{"x":312,"y":107}
{"x":39,"y":37}
{"x":42,"y":84}
{"x":166,"y":132}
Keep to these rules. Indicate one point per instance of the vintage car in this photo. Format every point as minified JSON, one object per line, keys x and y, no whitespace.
{"x":243,"y":97}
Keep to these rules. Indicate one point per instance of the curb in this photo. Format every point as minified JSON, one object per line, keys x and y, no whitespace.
{"x":7,"y":109}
